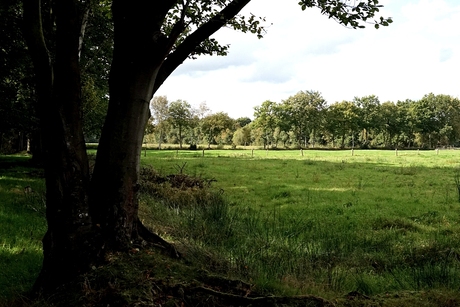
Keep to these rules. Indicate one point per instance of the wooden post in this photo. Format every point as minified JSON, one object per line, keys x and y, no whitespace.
{"x":203,"y":152}
{"x":301,"y":152}
{"x":437,"y":151}
{"x":352,"y":152}
{"x":396,"y":152}
{"x":252,"y":153}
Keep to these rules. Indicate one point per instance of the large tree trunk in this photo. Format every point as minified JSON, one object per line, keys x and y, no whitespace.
{"x":139,"y":51}
{"x":66,"y":244}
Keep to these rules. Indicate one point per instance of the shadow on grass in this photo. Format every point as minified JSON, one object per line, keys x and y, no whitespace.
{"x":22,"y":224}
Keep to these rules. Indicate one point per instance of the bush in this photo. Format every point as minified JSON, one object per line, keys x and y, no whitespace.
{"x":176,"y":190}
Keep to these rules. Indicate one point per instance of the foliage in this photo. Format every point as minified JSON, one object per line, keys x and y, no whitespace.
{"x":180,"y":117}
{"x":349,"y":13}
{"x":17,"y":114}
{"x":242,"y":136}
{"x":159,"y":107}
{"x":94,"y":106}
{"x":214,"y":126}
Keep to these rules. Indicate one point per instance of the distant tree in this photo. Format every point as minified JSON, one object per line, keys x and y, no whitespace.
{"x":180,"y":117}
{"x":391,"y":124}
{"x":214,"y":125}
{"x":448,"y":113}
{"x":406,"y":123}
{"x":159,"y":107}
{"x":18,"y":120}
{"x":347,"y":116}
{"x":282,"y":111}
{"x":257,"y":136}
{"x":265,"y":118}
{"x":242,"y":136}
{"x":369,"y":117}
{"x":95,"y":56}
{"x":202,"y":110}
{"x":332,"y":127}
{"x":242,"y":122}
{"x":432,"y":114}
{"x":306,"y":112}
{"x":94,"y":109}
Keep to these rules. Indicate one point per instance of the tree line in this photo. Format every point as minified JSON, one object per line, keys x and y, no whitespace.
{"x":306,"y":120}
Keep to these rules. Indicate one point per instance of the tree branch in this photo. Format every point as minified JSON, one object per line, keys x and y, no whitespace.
{"x":196,"y":38}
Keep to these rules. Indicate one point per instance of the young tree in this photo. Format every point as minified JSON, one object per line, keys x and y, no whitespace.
{"x":305,"y":111}
{"x":159,"y":107}
{"x":214,"y":125}
{"x":389,"y":119}
{"x":242,"y":136}
{"x":265,"y":118}
{"x":180,"y":117}
{"x":151,"y":39}
{"x":369,"y":117}
{"x":347,"y":117}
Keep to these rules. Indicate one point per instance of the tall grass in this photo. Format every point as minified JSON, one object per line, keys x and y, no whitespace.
{"x":326,"y":223}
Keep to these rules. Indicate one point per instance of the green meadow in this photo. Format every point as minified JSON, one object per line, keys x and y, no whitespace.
{"x":383,"y":224}
{"x":329,"y":222}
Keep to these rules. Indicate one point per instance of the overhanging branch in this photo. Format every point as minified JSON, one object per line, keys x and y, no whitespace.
{"x":196,"y":38}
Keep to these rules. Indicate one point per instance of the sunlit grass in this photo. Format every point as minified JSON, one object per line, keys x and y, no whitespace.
{"x":328,"y":222}
{"x":325,"y":223}
{"x":22,"y":225}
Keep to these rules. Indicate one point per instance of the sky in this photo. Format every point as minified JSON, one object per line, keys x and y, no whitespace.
{"x":418,"y":54}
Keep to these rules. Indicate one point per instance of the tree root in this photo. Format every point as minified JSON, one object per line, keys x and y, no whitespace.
{"x":156,"y":240}
{"x":238,"y":300}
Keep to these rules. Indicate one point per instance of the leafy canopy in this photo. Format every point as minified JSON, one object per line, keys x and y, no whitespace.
{"x":350,"y":13}
{"x":190,"y":15}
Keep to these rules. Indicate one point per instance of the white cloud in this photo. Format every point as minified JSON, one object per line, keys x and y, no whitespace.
{"x":419,"y":53}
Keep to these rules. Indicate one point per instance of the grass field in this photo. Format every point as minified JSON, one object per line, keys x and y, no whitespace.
{"x":327,"y":223}
{"x":331,"y":222}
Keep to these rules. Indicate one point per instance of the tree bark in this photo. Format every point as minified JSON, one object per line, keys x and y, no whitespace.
{"x":66,"y":243}
{"x":139,"y":50}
